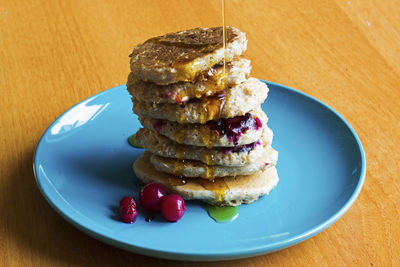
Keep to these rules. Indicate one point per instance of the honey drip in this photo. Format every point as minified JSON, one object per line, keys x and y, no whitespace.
{"x":207,"y":136}
{"x":182,"y":117}
{"x":217,"y":186}
{"x":179,"y":135}
{"x":224,"y":34}
{"x":179,"y":165}
{"x":180,"y":152}
{"x":177,"y":180}
{"x":210,"y":170}
{"x":210,"y":109}
{"x":214,"y":107}
{"x":186,"y":69}
{"x":213,"y":81}
{"x":186,"y":72}
{"x":208,"y":159}
{"x":225,"y":76}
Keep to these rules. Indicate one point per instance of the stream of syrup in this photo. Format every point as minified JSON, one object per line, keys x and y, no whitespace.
{"x":225,"y":75}
{"x":218,"y":186}
{"x":224,"y":36}
{"x":209,"y":111}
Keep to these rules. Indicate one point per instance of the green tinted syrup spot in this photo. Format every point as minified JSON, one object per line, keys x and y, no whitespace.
{"x":132,"y":141}
{"x":222,"y":214}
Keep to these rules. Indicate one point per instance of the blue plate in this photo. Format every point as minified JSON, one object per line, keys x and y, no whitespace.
{"x":83,"y":167}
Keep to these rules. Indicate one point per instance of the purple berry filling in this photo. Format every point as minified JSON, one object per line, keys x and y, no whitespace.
{"x":157,"y":125}
{"x":239,"y":149}
{"x":233,"y":128}
{"x":258,"y":124}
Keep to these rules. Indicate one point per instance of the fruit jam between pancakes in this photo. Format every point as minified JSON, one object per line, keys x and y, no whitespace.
{"x":233,"y":128}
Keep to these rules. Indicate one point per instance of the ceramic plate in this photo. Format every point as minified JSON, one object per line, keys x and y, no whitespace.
{"x":83,"y":167}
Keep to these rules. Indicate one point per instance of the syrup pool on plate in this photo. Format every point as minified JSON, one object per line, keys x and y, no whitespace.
{"x":132,"y":141}
{"x":222,"y":214}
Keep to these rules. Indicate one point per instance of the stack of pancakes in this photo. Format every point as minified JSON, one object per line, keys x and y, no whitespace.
{"x":204,"y":131}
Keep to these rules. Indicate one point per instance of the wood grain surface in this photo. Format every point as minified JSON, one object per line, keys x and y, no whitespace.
{"x":56,"y":53}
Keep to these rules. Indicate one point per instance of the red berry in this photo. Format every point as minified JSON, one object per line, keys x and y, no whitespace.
{"x":150,"y":197}
{"x":127,"y":201}
{"x":127,"y":213}
{"x":172,"y":207}
{"x":157,"y":125}
{"x":258,"y":124}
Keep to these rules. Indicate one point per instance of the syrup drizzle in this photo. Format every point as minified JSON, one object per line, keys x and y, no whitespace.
{"x":179,"y":135}
{"x":224,"y":35}
{"x":225,"y":76}
{"x":212,"y":79}
{"x":211,"y":109}
{"x":217,"y":186}
{"x":179,"y":165}
{"x":177,"y":180}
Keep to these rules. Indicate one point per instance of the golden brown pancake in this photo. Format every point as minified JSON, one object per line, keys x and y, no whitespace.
{"x":228,"y":191}
{"x":208,"y":83}
{"x":231,"y":156}
{"x":182,"y":56}
{"x":196,"y":134}
{"x":237,"y":100}
{"x":194,"y":168}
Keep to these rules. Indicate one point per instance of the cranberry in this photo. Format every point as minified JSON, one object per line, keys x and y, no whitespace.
{"x":127,"y":209}
{"x":150,"y":197}
{"x":127,"y":201}
{"x":172,"y":207}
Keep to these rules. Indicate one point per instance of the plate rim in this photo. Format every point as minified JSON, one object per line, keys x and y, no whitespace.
{"x":212,"y":256}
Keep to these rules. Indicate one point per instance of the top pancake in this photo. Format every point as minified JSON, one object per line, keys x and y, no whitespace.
{"x":182,"y":56}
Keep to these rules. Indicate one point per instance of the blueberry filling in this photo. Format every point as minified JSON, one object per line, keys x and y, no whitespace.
{"x":240,"y":149}
{"x":233,"y":128}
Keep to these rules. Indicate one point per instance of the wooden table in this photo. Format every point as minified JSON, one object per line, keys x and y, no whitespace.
{"x":56,"y":53}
